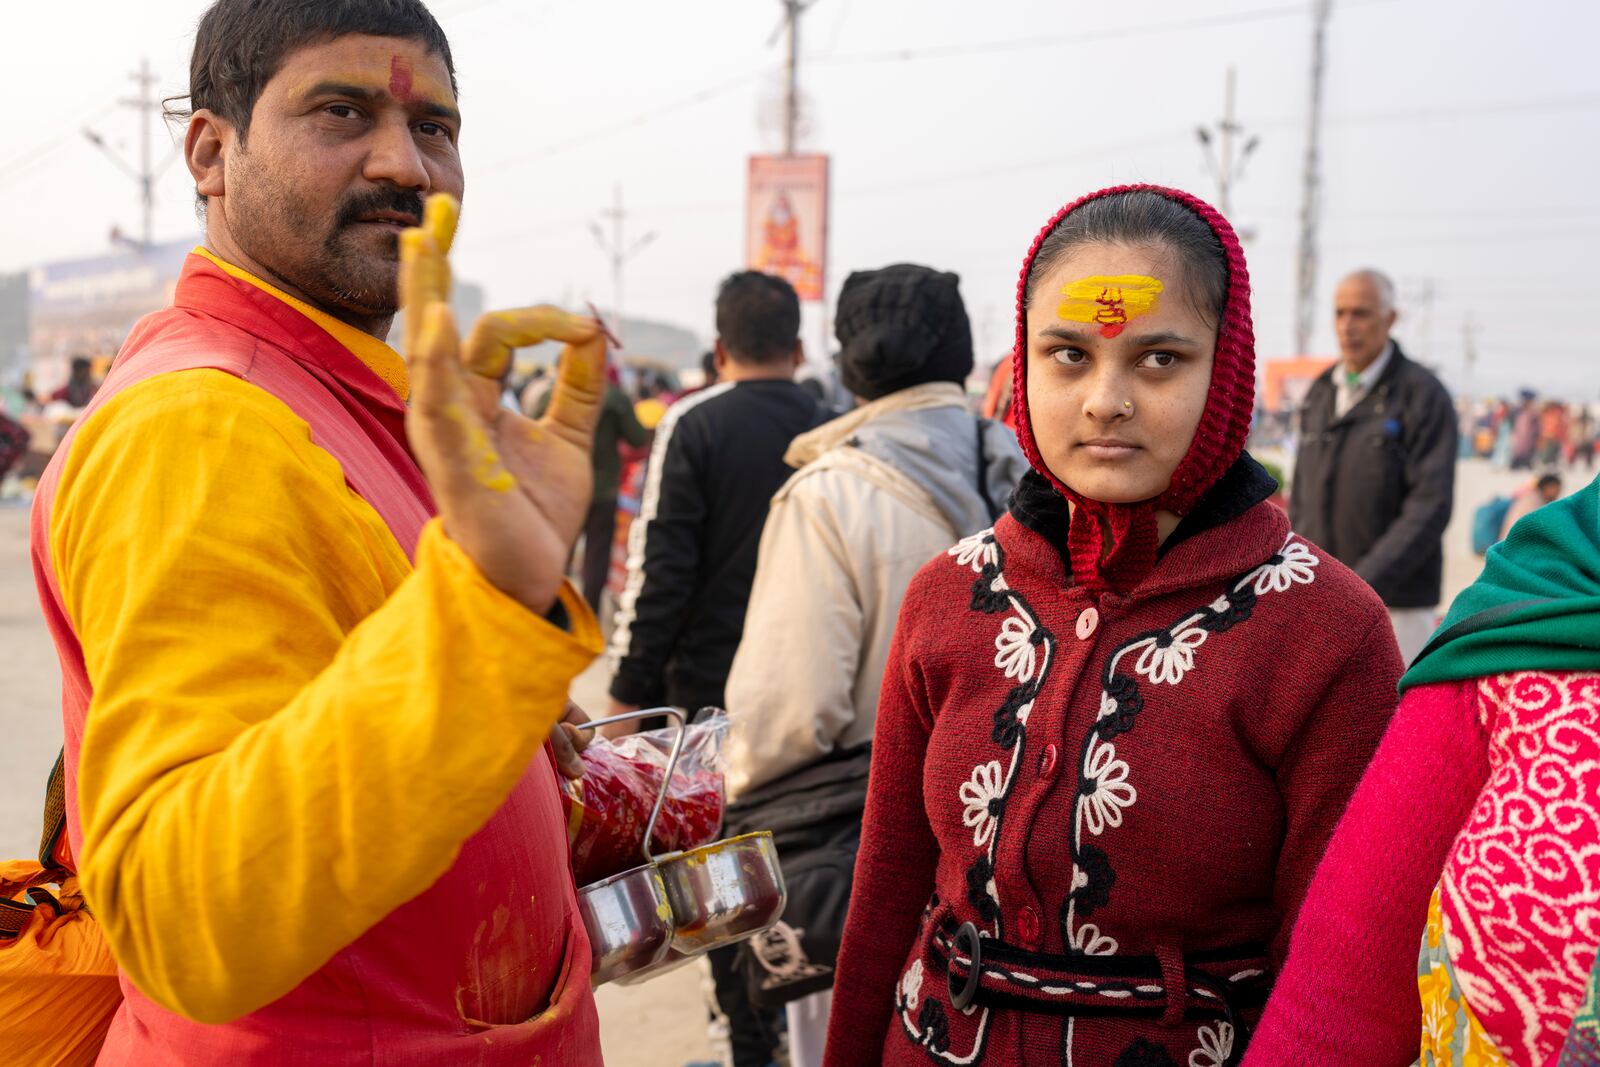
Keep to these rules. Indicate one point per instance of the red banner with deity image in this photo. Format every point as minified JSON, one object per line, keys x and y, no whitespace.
{"x":786,"y":220}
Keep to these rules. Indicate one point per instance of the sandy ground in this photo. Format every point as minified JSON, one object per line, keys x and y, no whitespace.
{"x":661,"y":1024}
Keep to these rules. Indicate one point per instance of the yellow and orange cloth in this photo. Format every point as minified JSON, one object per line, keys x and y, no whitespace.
{"x":305,"y":784}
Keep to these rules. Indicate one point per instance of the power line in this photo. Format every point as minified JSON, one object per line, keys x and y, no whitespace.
{"x":38,"y":153}
{"x":1080,"y":37}
{"x":632,"y":121}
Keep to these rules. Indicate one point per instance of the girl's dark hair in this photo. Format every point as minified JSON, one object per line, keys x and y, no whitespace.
{"x":1141,"y":217}
{"x":241,"y":44}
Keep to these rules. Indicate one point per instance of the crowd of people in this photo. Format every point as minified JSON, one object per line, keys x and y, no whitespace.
{"x":1530,"y":433}
{"x":1090,"y":752}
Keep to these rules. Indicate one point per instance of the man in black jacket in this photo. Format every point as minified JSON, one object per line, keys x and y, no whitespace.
{"x":1375,"y":477}
{"x":716,"y":462}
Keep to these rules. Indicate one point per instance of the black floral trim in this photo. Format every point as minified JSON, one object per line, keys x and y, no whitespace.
{"x":1007,"y":727}
{"x":1124,"y":690}
{"x":1144,"y":1053}
{"x":1130,"y":702}
{"x":934,"y":1025}
{"x":1096,"y":866}
{"x":979,"y":875}
{"x":1241,"y":602}
{"x":985,"y":597}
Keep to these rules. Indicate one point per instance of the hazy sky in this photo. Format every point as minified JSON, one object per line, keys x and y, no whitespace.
{"x":1459,"y":147}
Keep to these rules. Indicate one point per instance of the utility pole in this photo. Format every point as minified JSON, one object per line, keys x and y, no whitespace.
{"x":792,"y":10}
{"x":1224,"y":167}
{"x":1469,"y":353}
{"x":617,"y":250}
{"x":1306,"y":279}
{"x":147,"y":106}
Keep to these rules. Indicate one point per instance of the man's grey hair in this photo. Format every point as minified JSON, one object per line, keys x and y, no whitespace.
{"x":1380,"y":281}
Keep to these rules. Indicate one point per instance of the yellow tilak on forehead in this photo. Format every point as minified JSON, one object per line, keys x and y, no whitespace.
{"x":1109,"y":301}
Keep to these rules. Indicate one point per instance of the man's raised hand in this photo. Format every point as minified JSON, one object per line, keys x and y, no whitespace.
{"x":512,"y":491}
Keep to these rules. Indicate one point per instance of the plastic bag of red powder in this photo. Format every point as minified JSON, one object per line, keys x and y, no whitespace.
{"x":607,"y":809}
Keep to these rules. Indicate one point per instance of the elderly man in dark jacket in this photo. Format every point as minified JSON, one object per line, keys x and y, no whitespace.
{"x":1375,"y":478}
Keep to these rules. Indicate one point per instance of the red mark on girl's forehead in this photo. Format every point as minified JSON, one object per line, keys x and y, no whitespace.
{"x":400,"y":80}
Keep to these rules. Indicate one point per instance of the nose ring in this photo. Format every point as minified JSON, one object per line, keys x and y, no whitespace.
{"x":1127,"y":405}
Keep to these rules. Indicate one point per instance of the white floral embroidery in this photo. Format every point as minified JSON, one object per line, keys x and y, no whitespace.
{"x":978,"y":551}
{"x":1108,"y":705}
{"x":999,"y":585}
{"x":1294,"y":568}
{"x":911,"y":985}
{"x":1024,"y":711}
{"x":1088,"y":940}
{"x":1015,"y":652}
{"x":1215,"y":1046}
{"x":1112,"y":791}
{"x":978,"y":794}
{"x":1165,"y":663}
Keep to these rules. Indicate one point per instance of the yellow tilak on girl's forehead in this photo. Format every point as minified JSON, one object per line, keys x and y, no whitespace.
{"x":1109,"y":301}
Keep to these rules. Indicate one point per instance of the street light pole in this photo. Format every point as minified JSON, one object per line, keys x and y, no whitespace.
{"x":617,"y":250}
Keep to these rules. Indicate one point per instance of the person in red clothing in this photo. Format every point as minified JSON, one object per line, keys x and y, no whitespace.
{"x":1116,"y":730}
{"x":1460,"y":897}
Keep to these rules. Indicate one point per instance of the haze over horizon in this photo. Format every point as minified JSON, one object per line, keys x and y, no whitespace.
{"x":1452,"y":132}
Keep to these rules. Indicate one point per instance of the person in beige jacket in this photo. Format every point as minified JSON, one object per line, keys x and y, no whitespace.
{"x":878,"y":492}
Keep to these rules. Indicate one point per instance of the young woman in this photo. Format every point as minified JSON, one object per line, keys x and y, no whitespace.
{"x":1117,"y":729}
{"x":1494,"y":761}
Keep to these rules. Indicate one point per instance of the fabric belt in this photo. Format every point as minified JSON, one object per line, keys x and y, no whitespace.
{"x":984,"y":971}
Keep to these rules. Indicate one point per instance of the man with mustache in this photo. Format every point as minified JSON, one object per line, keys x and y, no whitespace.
{"x":294,"y":582}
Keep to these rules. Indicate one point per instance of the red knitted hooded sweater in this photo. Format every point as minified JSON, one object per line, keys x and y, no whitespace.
{"x":1118,"y":548}
{"x":1124,"y":792}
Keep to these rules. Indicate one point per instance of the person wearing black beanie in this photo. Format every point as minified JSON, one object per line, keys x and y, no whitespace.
{"x":877,"y":492}
{"x":900,"y":326}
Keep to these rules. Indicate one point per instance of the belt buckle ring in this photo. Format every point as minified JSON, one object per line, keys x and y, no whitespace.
{"x":967,"y":939}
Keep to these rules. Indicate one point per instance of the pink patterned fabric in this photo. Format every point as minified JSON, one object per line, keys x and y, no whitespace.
{"x":1521,"y":888}
{"x":1123,"y":560}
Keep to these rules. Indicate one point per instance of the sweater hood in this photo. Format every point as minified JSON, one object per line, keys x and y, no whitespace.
{"x":927,"y":434}
{"x":1118,"y":547}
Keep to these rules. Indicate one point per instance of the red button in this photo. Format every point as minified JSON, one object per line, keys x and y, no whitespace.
{"x":1047,"y":761}
{"x":1028,"y":926}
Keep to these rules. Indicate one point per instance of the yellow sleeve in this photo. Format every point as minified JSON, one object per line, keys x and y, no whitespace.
{"x":292,"y":732}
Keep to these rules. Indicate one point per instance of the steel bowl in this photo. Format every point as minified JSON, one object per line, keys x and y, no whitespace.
{"x":628,"y":915}
{"x":723,"y":892}
{"x":670,"y":962}
{"x":630,"y":922}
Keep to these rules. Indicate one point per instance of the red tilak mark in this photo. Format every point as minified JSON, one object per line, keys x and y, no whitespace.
{"x":594,"y":313}
{"x":400,"y":80}
{"x":1113,"y":315}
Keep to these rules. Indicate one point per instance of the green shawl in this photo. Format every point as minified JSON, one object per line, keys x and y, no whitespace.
{"x":1535,"y":607}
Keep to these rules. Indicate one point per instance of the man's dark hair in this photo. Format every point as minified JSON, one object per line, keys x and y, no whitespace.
{"x":758,"y":318}
{"x":1550,"y":481}
{"x":241,"y":44}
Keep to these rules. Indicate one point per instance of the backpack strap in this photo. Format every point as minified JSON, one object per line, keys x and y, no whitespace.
{"x":54,"y":852}
{"x":983,"y":473}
